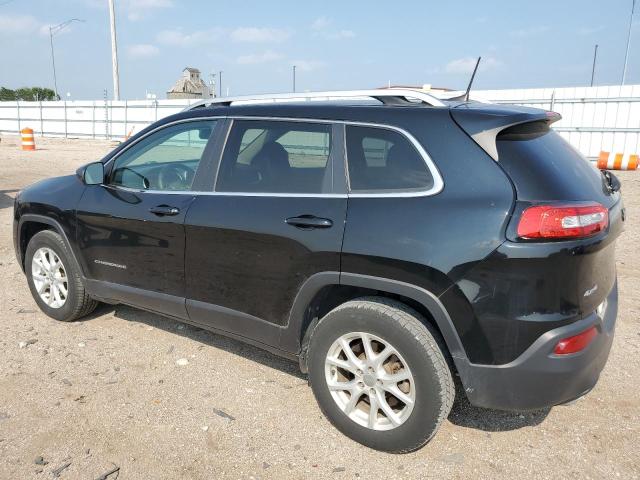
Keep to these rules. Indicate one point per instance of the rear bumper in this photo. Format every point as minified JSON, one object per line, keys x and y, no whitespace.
{"x":538,"y":378}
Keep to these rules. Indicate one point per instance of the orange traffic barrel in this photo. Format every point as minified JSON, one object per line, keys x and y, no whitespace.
{"x":617,"y":161}
{"x":28,"y":143}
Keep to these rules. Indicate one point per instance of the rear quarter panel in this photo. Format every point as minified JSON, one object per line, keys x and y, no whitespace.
{"x":432,"y":241}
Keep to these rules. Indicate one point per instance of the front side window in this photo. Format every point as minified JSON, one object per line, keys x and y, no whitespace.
{"x":271,"y":156}
{"x":380,"y":159}
{"x":165,"y":160}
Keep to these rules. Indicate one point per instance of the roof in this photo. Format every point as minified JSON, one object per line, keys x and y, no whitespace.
{"x":191,"y":69}
{"x":405,"y":114}
{"x":365,"y":113}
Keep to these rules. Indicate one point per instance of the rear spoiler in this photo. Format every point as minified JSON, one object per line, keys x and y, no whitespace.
{"x":483,"y":123}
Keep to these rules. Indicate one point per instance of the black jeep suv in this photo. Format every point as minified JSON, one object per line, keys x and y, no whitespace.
{"x":385,"y":239}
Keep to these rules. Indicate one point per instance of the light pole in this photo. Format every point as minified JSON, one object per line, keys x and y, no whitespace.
{"x":220,"y":81}
{"x":114,"y":52}
{"x":53,"y":31}
{"x":294,"y":79}
{"x":626,"y":54}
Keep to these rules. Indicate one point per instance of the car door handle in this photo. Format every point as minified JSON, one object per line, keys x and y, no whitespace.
{"x":309,"y":222}
{"x":164,"y":210}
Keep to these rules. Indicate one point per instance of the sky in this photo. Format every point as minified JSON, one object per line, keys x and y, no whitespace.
{"x":334,"y":44}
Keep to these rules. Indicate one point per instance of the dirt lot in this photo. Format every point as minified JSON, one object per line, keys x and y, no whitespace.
{"x":107,"y":392}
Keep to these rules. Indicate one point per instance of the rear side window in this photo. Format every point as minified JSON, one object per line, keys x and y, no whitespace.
{"x":271,"y":156}
{"x":380,"y":159}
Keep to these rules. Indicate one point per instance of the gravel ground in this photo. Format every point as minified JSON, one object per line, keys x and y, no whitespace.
{"x":157,"y":399}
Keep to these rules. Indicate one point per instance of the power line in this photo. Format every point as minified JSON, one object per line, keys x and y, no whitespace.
{"x":626,"y":54}
{"x":53,"y":31}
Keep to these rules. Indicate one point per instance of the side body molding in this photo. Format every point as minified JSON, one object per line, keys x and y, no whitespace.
{"x":290,"y":334}
{"x":420,"y":295}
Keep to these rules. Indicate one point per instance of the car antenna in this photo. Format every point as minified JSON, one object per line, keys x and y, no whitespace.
{"x":473,"y":75}
{"x":465,"y":97}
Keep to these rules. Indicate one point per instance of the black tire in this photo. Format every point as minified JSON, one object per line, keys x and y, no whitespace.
{"x":77,"y":304}
{"x":418,"y":343}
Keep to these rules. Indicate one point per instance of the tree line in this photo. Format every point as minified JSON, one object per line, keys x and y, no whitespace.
{"x":28,"y":94}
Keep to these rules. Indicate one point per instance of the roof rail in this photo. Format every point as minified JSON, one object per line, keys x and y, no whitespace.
{"x":395,"y":96}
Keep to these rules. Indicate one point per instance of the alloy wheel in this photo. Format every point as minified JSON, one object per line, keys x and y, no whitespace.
{"x":49,"y":277}
{"x":370,"y":381}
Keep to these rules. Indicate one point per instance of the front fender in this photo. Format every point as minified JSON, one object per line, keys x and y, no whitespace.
{"x":20,"y":228}
{"x":51,"y":202}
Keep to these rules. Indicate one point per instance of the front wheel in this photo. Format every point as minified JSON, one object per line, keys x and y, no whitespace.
{"x":54,"y":278}
{"x":379,"y":375}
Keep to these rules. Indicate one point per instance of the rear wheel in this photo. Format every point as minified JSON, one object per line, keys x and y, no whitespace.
{"x":379,"y":375}
{"x":54,"y":279}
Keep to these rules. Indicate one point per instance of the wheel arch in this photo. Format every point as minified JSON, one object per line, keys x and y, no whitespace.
{"x":325,"y":291}
{"x":30,"y":224}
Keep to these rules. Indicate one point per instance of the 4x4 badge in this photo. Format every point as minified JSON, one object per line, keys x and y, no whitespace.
{"x":591,"y":290}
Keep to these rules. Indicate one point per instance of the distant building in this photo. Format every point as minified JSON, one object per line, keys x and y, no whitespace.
{"x":190,"y":85}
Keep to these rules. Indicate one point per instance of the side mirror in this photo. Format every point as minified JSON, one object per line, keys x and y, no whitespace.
{"x":92,"y":174}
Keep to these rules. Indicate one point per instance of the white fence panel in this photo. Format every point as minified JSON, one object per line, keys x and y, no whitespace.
{"x":86,"y":119}
{"x":593,"y":118}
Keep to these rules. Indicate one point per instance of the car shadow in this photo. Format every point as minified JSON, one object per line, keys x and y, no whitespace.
{"x":201,"y":336}
{"x":462,"y":414}
{"x":6,"y":200}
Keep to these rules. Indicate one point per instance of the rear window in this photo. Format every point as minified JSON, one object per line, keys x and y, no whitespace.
{"x":380,"y":159}
{"x":544,"y":166}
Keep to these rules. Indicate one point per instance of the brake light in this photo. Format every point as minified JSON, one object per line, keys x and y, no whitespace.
{"x":576,"y":343}
{"x":563,"y":221}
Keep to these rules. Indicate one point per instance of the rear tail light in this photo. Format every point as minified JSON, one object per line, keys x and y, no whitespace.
{"x":563,"y":221}
{"x":576,"y":343}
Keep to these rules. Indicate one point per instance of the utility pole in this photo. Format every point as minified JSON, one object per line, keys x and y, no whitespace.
{"x":220,"y":81}
{"x":114,"y":52}
{"x":53,"y":31}
{"x":212,"y":84}
{"x":294,"y":79}
{"x":626,"y":55}
{"x":593,"y":69}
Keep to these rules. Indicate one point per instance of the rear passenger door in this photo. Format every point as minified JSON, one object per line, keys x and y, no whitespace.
{"x":275,"y":218}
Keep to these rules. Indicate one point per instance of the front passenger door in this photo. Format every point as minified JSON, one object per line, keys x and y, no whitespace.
{"x":130,"y":229}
